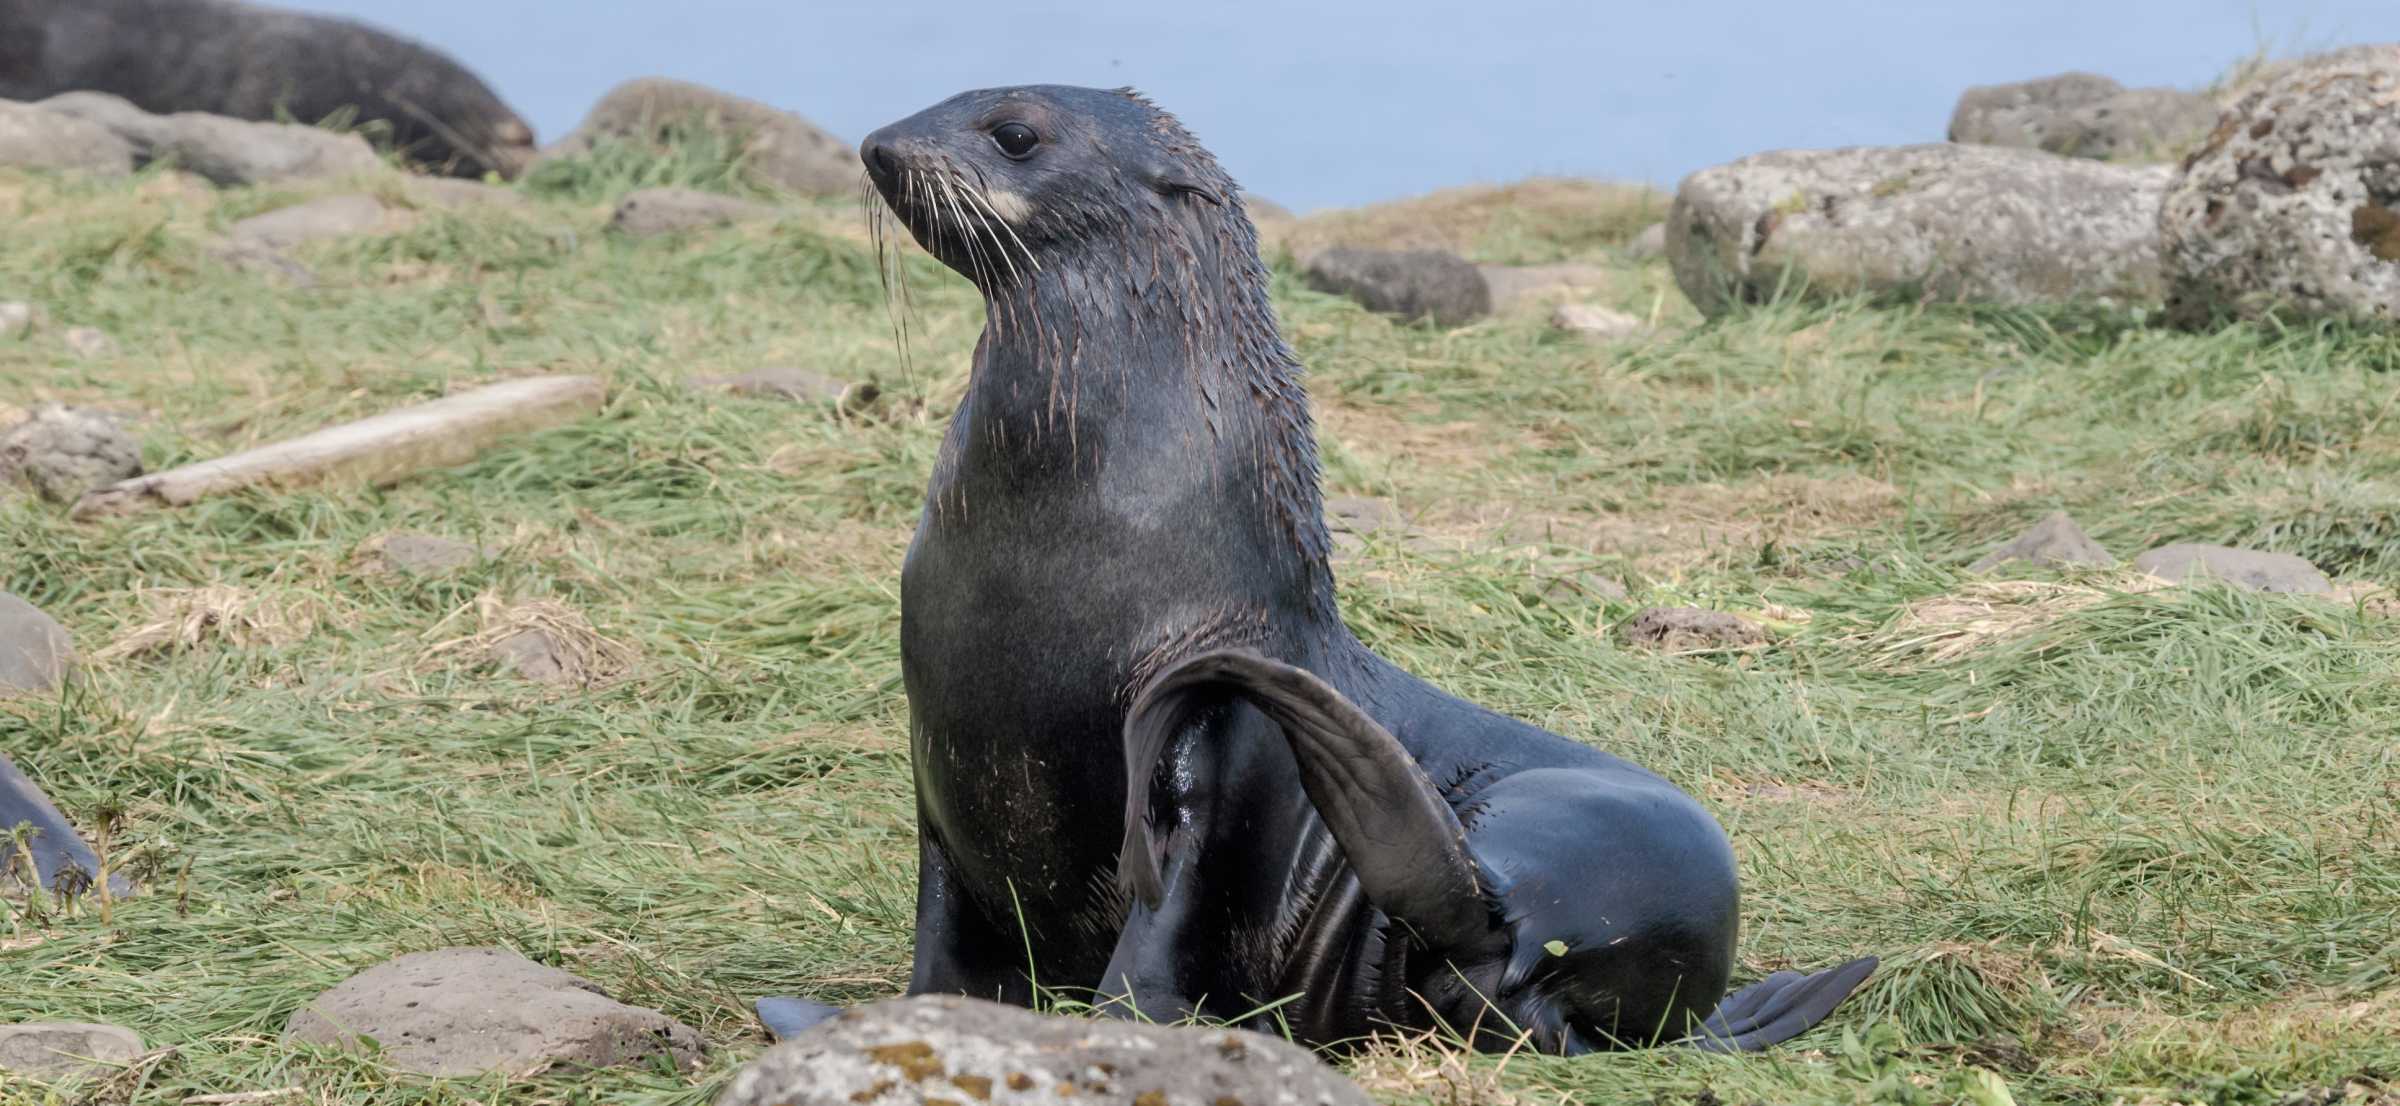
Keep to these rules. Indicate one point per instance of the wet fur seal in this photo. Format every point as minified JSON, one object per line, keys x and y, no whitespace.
{"x":251,"y":62}
{"x":1153,"y":767}
{"x":62,"y":862}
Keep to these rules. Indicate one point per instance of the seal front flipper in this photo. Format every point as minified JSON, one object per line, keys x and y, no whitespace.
{"x":785,"y":1018}
{"x":1779,"y":1008}
{"x":61,"y":860}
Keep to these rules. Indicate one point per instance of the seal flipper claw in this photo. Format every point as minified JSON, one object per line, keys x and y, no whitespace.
{"x":57,"y":849}
{"x":1779,"y":1008}
{"x":786,"y":1017}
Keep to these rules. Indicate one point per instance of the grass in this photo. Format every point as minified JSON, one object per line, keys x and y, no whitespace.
{"x":2116,"y":843}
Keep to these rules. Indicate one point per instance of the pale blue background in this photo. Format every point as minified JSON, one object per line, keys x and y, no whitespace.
{"x":1345,"y":102}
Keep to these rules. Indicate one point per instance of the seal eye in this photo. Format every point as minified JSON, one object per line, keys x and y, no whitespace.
{"x":1015,"y":139}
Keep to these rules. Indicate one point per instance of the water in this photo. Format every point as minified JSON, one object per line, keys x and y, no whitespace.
{"x":1342,"y":103}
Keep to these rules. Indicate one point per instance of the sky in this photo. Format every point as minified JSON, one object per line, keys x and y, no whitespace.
{"x":1334,"y":103}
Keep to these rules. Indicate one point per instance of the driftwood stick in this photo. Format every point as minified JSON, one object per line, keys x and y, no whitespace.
{"x":381,"y":449}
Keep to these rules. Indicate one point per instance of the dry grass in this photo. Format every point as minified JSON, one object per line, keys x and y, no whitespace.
{"x":179,"y":620}
{"x":522,"y":633}
{"x":1946,"y":627}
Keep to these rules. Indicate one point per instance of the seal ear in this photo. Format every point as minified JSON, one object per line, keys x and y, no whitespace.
{"x":1169,"y":178}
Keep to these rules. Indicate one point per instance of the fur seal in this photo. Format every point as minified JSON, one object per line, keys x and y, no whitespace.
{"x":1152,"y":764}
{"x":62,"y":862}
{"x":231,"y":58}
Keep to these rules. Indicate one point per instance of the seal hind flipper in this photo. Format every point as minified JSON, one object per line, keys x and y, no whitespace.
{"x":58,"y":851}
{"x":1779,"y":1008}
{"x":787,"y":1017}
{"x":1400,"y":837}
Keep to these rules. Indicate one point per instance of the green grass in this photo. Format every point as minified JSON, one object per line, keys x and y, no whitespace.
{"x":2144,"y":848}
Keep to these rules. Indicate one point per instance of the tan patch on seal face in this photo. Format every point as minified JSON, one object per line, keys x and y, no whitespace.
{"x":1008,"y":205}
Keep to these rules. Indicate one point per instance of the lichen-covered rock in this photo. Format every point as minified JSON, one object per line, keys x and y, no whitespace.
{"x":655,"y":211}
{"x":945,"y":1049}
{"x":779,"y":149}
{"x":472,"y":1011}
{"x":2083,"y":115}
{"x":419,"y":554}
{"x":226,"y":151}
{"x":1410,"y":284}
{"x":35,"y":651}
{"x":59,"y":1051}
{"x":1691,"y":629}
{"x":1960,"y":223}
{"x":2292,"y":207}
{"x":63,"y":452}
{"x":322,"y":219}
{"x":31,"y":138}
{"x":2249,"y":569}
{"x":2056,"y":540}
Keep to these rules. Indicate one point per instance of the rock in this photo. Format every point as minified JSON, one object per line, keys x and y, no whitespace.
{"x":473,"y":1011}
{"x":2292,"y":207}
{"x":1515,"y":284}
{"x":779,"y":150}
{"x":454,"y":194}
{"x":31,"y":138}
{"x":1559,"y":590}
{"x":89,"y":342}
{"x":317,"y":220}
{"x":796,"y":384}
{"x":1651,"y":242}
{"x":2083,"y":115}
{"x":1594,"y":321}
{"x":16,"y":320}
{"x":1352,"y":514}
{"x":654,"y":211}
{"x":35,"y":651}
{"x":59,"y":1051}
{"x":224,"y":150}
{"x":63,"y":452}
{"x":532,"y":655}
{"x":1411,"y":284}
{"x":421,"y":554}
{"x":2243,"y":568}
{"x":1690,"y":629}
{"x":962,"y":1051}
{"x":2055,"y":540}
{"x":1968,"y":223}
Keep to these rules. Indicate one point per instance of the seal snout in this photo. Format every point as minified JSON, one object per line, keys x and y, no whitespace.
{"x":877,"y":154}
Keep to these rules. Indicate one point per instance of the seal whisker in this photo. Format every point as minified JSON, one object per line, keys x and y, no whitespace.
{"x":979,"y":192}
{"x":976,"y":207}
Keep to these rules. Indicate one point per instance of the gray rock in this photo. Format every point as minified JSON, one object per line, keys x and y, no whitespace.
{"x":1588,"y":586}
{"x":318,"y":220}
{"x":1595,"y":322}
{"x":16,"y":320}
{"x":946,"y":1049}
{"x":1690,"y":629}
{"x":1352,"y":514}
{"x":423,"y":554}
{"x":2083,"y":115}
{"x":1411,"y":284}
{"x":1515,"y":284}
{"x":1968,"y":223}
{"x":89,"y":342}
{"x":2020,"y":113}
{"x":35,"y":651}
{"x":532,"y":655}
{"x":226,"y":151}
{"x":2292,"y":207}
{"x":654,"y":211}
{"x":796,"y":384}
{"x":779,"y":150}
{"x":2243,"y":568}
{"x":472,"y":1011}
{"x":2055,"y":540}
{"x":1651,"y":242}
{"x":31,"y":138}
{"x":63,"y":452}
{"x":60,"y":1051}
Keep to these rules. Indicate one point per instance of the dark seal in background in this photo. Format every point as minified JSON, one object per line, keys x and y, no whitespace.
{"x":252,"y":62}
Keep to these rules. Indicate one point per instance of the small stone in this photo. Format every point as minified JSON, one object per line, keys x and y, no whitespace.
{"x":90,"y":343}
{"x":953,"y":1049}
{"x":59,"y":1051}
{"x":2249,"y":569}
{"x":1409,"y":284}
{"x":1691,"y":629}
{"x":1352,"y":514}
{"x":532,"y":655}
{"x":2055,"y":540}
{"x":63,"y":452}
{"x":1651,"y":242}
{"x":1595,"y":322}
{"x":796,"y":384}
{"x":656,"y":211}
{"x":422,"y":554}
{"x":1561,"y":590}
{"x":36,"y":652}
{"x":1512,"y":285}
{"x":318,"y":220}
{"x":466,"y":1012}
{"x":16,"y":319}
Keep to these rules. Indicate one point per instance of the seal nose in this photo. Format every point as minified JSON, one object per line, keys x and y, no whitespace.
{"x":877,"y":154}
